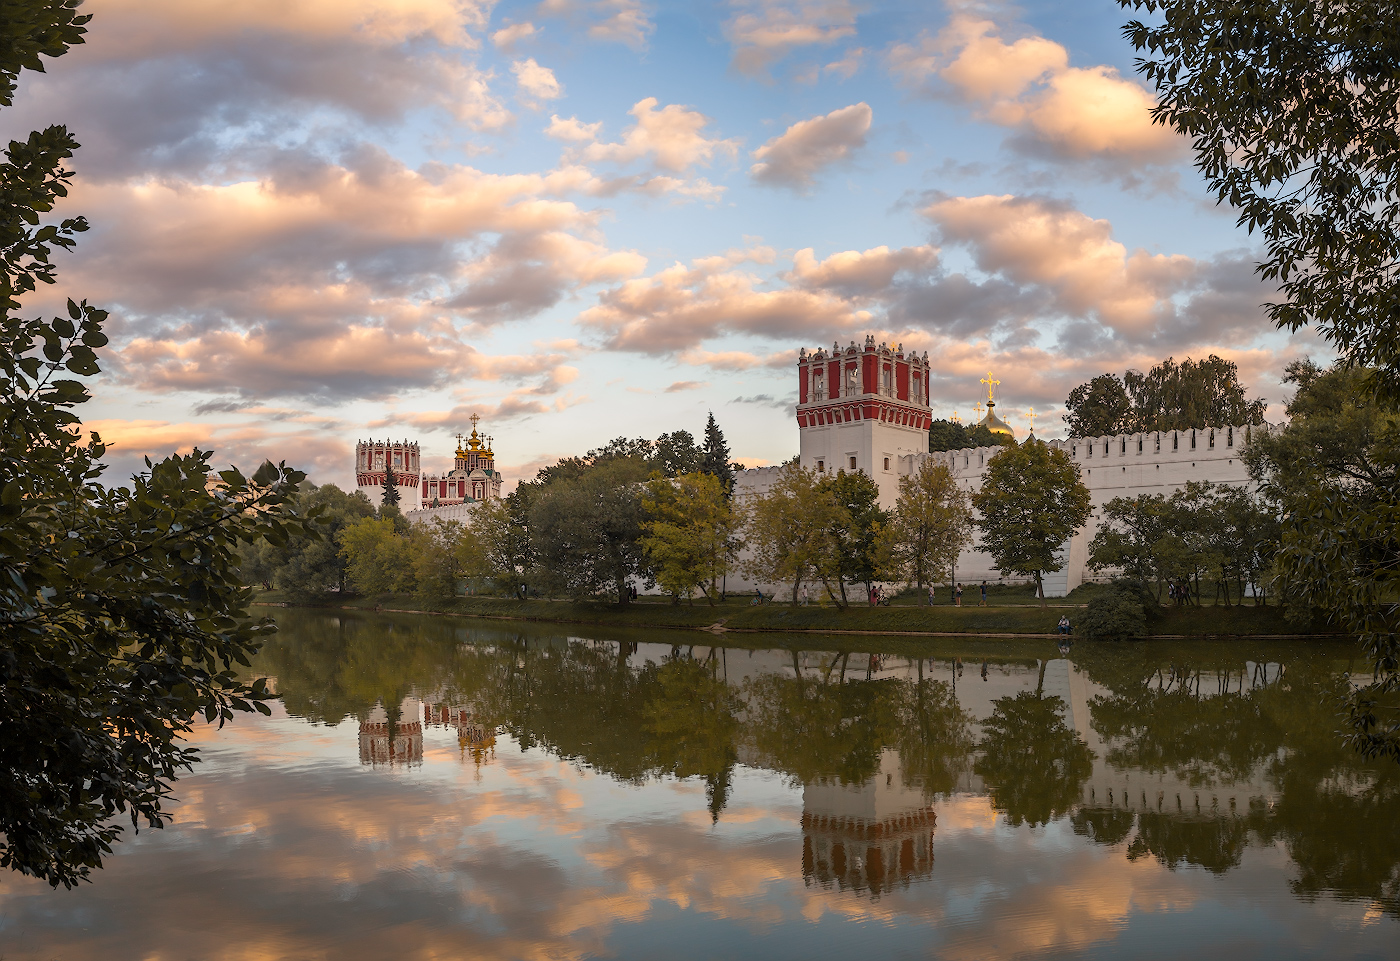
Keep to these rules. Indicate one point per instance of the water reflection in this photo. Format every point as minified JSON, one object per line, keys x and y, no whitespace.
{"x":536,"y":794}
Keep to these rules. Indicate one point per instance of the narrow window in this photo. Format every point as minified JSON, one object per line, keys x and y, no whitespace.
{"x":1193,"y":440}
{"x":853,"y":463}
{"x":1122,"y":447}
{"x":887,"y":463}
{"x":1230,"y":437}
{"x":1139,"y":445}
{"x":1176,"y":440}
{"x":1210,"y":442}
{"x":1105,"y":448}
{"x":821,"y":465}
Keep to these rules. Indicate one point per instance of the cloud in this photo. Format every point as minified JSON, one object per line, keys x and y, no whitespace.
{"x":671,"y":138}
{"x":536,"y":83}
{"x":793,"y":158}
{"x":684,"y":385}
{"x":763,"y":32}
{"x":1054,"y":109}
{"x":508,"y":36}
{"x":846,"y":67}
{"x":860,"y":272}
{"x":1034,"y":241}
{"x":616,"y":21}
{"x":572,"y":129}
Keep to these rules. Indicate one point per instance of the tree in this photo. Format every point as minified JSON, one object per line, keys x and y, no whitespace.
{"x":789,"y":530}
{"x":1291,"y":109}
{"x":1128,"y":538}
{"x":1174,"y":396}
{"x":501,"y":547}
{"x":675,"y":454}
{"x":1100,"y":407}
{"x":858,"y":524}
{"x":122,"y":615}
{"x":309,"y":564}
{"x":437,"y":557}
{"x":930,"y":526}
{"x":378,"y":555}
{"x":950,"y":435}
{"x":391,"y":489}
{"x":1031,"y":502}
{"x":714,"y":458}
{"x":689,"y":534}
{"x":588,"y":530}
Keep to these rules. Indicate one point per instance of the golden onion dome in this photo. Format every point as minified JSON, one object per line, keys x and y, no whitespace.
{"x":994,"y":423}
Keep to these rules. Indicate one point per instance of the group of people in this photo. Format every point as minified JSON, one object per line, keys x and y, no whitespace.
{"x":1178,"y":592}
{"x":957,"y":590}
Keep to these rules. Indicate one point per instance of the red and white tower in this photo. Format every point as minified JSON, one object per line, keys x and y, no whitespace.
{"x":863,"y":408}
{"x":374,"y":458}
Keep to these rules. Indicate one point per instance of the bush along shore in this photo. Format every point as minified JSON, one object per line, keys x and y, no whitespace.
{"x":738,"y":613}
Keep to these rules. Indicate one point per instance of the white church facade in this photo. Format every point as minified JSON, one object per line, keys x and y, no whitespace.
{"x":866,"y":408}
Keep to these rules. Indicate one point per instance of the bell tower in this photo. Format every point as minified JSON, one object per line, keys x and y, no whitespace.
{"x":863,"y":408}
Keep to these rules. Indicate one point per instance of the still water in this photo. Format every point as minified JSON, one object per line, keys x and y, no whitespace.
{"x":430,"y":789}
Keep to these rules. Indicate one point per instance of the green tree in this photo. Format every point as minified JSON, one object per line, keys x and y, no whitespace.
{"x":1031,"y":502}
{"x":950,"y":435}
{"x":379,"y":556}
{"x":1100,"y":407}
{"x":1174,"y":396}
{"x":500,"y":546}
{"x":122,"y":616}
{"x":789,"y":531}
{"x":1128,"y":536}
{"x":437,"y":556}
{"x":391,"y":489}
{"x":309,"y":564}
{"x":1290,"y":107}
{"x":715,"y":455}
{"x":859,"y":521}
{"x":930,"y":526}
{"x":675,"y":454}
{"x":588,"y":530}
{"x":689,"y":534}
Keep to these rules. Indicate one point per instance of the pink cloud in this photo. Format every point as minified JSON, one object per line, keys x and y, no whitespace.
{"x":762,"y":32}
{"x":794,"y":158}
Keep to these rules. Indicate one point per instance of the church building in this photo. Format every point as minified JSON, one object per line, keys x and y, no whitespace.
{"x":472,"y":480}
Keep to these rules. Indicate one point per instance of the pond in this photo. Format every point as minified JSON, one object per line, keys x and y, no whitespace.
{"x":431,"y":788}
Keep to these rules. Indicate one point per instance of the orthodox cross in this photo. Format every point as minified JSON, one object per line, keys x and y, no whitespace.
{"x":1032,"y":420}
{"x":978,"y":407}
{"x":992,"y":385}
{"x":475,"y":418}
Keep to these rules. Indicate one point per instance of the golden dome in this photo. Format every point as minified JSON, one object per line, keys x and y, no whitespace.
{"x":994,"y":423}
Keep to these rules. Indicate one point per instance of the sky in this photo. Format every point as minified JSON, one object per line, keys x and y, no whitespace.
{"x":317,"y":221}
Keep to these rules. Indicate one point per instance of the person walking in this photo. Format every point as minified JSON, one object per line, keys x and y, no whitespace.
{"x":930,"y":595}
{"x":957,"y":596}
{"x":805,"y":598}
{"x":983,"y":602}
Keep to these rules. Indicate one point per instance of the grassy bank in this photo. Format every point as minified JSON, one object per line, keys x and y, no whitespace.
{"x":739,"y":615}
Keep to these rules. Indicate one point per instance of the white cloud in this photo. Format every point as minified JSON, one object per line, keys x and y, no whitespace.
{"x":671,"y":137}
{"x":1029,"y":86}
{"x":536,"y":83}
{"x":793,"y":158}
{"x":508,"y":36}
{"x":572,"y":130}
{"x":762,"y":32}
{"x":617,"y":21}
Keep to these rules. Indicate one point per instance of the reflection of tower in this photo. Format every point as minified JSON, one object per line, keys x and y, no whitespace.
{"x":473,"y":736}
{"x":867,"y":837}
{"x":386,"y":740}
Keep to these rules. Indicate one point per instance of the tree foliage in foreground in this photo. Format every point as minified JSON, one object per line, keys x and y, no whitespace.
{"x":930,"y":526}
{"x":122,"y":617}
{"x":690,"y":534}
{"x":1292,"y":109}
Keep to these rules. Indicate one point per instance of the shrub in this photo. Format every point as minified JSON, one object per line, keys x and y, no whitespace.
{"x":1119,"y":613}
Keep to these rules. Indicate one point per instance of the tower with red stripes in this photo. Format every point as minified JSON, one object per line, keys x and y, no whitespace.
{"x":862,"y":409}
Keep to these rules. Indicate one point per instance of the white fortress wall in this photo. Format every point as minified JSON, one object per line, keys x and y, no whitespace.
{"x":1123,"y":465}
{"x":461,"y":513}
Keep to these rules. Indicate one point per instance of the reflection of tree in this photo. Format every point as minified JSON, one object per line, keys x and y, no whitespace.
{"x":1033,"y":763}
{"x":1214,"y":843}
{"x":935,"y":737}
{"x":1105,"y":825}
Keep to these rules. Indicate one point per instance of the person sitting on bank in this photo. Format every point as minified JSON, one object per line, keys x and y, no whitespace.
{"x":1064,"y":624}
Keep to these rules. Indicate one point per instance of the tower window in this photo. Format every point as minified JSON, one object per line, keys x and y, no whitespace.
{"x":821,"y":465}
{"x":887,"y":463}
{"x":853,"y":463}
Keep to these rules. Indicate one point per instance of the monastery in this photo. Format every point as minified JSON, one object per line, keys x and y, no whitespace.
{"x":472,"y":479}
{"x":866,"y":408}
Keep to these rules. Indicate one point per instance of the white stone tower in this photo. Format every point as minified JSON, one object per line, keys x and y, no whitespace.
{"x":863,"y":408}
{"x":374,"y":457}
